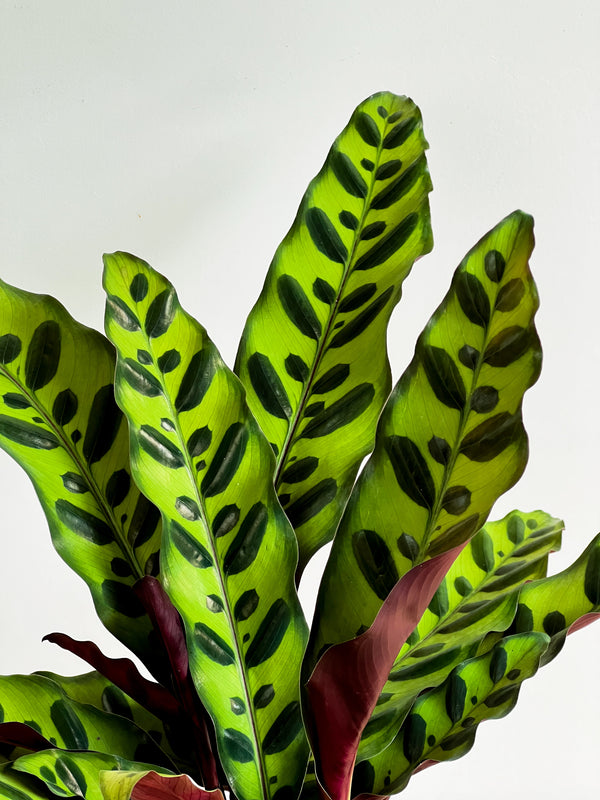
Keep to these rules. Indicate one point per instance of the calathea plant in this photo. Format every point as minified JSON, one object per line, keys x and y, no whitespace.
{"x":190,"y":497}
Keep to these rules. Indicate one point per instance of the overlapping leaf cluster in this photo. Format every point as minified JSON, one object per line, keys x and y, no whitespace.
{"x":190,"y":497}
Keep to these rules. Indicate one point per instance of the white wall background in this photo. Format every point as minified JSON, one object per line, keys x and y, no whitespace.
{"x":187,"y":132}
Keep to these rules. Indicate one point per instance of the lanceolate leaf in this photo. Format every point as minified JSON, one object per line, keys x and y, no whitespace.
{"x":69,"y":774}
{"x":313,"y":353}
{"x":59,"y":420}
{"x":442,"y":724}
{"x":228,"y":553}
{"x":40,"y":703}
{"x":451,"y":437}
{"x":562,"y":603}
{"x":478,"y":595}
{"x":344,"y":687}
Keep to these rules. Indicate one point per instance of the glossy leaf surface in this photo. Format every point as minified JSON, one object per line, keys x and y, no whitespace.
{"x":41,"y":704}
{"x":96,"y":690}
{"x":228,"y":552}
{"x":313,"y":354}
{"x":442,"y":724}
{"x":478,"y":595}
{"x":59,"y":420}
{"x":450,"y":439}
{"x":69,"y":774}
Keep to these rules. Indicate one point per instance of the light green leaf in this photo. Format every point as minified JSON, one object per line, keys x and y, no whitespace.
{"x":228,"y":553}
{"x":442,"y":724}
{"x":562,"y":603}
{"x":450,"y":439}
{"x":59,"y":420}
{"x":42,"y":704}
{"x":95,"y":690}
{"x":17,"y":786}
{"x":313,"y":353}
{"x":478,"y":595}
{"x":72,"y":774}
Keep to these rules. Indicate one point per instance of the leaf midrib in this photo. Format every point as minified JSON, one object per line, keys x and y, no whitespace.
{"x":464,"y":416}
{"x":298,"y":416}
{"x":188,"y":463}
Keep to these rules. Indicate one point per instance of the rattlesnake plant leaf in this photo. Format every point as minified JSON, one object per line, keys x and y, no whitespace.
{"x":41,"y":704}
{"x":152,"y":786}
{"x":75,"y":774}
{"x":95,"y":689}
{"x":442,"y":724}
{"x":228,"y":553}
{"x":562,"y":603}
{"x":478,"y":595}
{"x":450,"y":439}
{"x":313,"y":352}
{"x":15,"y":785}
{"x":59,"y":421}
{"x":346,"y":683}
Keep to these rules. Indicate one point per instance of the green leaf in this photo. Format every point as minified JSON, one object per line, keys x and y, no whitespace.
{"x":228,"y":552}
{"x":478,"y":595}
{"x":15,"y":785}
{"x":562,"y":603}
{"x":442,"y":723}
{"x":43,"y":705}
{"x":59,"y":420}
{"x":95,"y":690}
{"x":450,"y":439}
{"x":69,"y":774}
{"x":313,"y":353}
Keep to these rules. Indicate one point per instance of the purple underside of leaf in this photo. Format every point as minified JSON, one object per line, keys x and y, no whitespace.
{"x":18,"y":734}
{"x":177,"y":787}
{"x":166,"y":621}
{"x":348,"y":679}
{"x":124,"y":674}
{"x":168,"y":625}
{"x":584,"y":621}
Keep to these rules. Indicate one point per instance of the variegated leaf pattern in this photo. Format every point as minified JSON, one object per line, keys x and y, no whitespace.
{"x":44,"y":706}
{"x":562,"y":603}
{"x":69,"y":774}
{"x":228,"y":553}
{"x":95,"y":690}
{"x":59,"y":420}
{"x":14,"y":785}
{"x":442,"y":724}
{"x":313,"y":354}
{"x":450,"y":439}
{"x":478,"y":595}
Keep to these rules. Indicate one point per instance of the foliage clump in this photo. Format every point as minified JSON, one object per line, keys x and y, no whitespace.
{"x":190,"y":497}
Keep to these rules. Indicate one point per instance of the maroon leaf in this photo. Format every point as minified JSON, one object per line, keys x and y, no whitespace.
{"x":347,"y":681}
{"x":583,"y":621}
{"x":18,"y":734}
{"x":167,"y":623}
{"x":124,"y":674}
{"x":166,"y":787}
